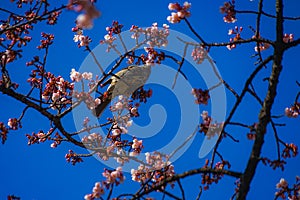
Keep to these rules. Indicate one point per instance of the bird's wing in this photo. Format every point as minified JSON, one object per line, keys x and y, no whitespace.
{"x":130,"y":80}
{"x":124,"y":82}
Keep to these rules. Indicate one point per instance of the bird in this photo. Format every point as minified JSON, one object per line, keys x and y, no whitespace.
{"x":124,"y":82}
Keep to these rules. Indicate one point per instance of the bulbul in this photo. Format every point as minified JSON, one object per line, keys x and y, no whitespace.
{"x":124,"y":82}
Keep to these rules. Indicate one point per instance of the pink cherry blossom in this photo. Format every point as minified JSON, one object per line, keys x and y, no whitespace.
{"x":87,"y":75}
{"x":75,"y":76}
{"x":182,"y":12}
{"x":229,"y":10}
{"x":199,"y":54}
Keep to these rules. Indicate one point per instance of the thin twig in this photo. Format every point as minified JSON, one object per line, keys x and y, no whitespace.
{"x":265,"y":14}
{"x":199,"y":194}
{"x":181,"y":189}
{"x":180,"y":65}
{"x":95,"y":59}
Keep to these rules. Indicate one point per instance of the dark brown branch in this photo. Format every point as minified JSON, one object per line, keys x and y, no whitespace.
{"x":212,"y":64}
{"x":187,"y":174}
{"x":239,"y":100}
{"x":181,"y":189}
{"x":58,"y":124}
{"x":180,"y":65}
{"x":87,"y":129}
{"x":224,"y":44}
{"x":42,"y":74}
{"x":32,"y":20}
{"x":55,"y":119}
{"x":272,"y":123}
{"x":95,"y":59}
{"x":200,"y":193}
{"x":265,"y":14}
{"x":10,"y":12}
{"x":231,"y":137}
{"x":265,"y":112}
{"x":110,"y":192}
{"x":171,"y":195}
{"x":194,"y":32}
{"x":257,"y":32}
{"x":239,"y":124}
{"x":292,"y":44}
{"x":27,"y":102}
{"x":23,"y":113}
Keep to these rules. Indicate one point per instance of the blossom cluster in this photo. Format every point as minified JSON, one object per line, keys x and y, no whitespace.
{"x":84,"y":20}
{"x":73,"y":157}
{"x":14,"y":37}
{"x":293,"y":111}
{"x":261,"y":45}
{"x":152,"y":56}
{"x":47,"y":41}
{"x":282,"y":184}
{"x":36,"y":138}
{"x":288,"y":38}
{"x":14,"y":124}
{"x":115,"y":145}
{"x":274,"y":164}
{"x":113,"y":177}
{"x":199,"y":53}
{"x":207,"y":179}
{"x":57,"y":90}
{"x":124,"y":109}
{"x":81,"y":39}
{"x":141,"y":94}
{"x":252,"y":134}
{"x":6,"y":82}
{"x":284,"y":191}
{"x":152,"y":35}
{"x":290,"y":148}
{"x":202,"y":96}
{"x":98,"y":191}
{"x":57,"y":140}
{"x":137,"y":146}
{"x":53,"y":17}
{"x":210,"y":129}
{"x":229,"y":11}
{"x":237,"y":36}
{"x":115,"y":28}
{"x":92,"y":140}
{"x":77,"y":76}
{"x":160,"y":169}
{"x":20,"y":3}
{"x":157,"y":37}
{"x":117,"y":130}
{"x":109,"y":38}
{"x":181,"y":12}
{"x":86,"y":97}
{"x":16,"y":28}
{"x":122,"y":154}
{"x":3,"y":132}
{"x":41,"y":136}
{"x":8,"y":56}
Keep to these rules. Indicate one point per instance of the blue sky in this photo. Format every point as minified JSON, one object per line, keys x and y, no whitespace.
{"x":39,"y":172}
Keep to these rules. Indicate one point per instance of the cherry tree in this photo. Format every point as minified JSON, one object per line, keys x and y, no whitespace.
{"x":121,"y":88}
